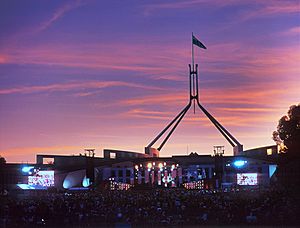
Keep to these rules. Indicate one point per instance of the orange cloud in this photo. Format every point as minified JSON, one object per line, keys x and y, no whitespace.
{"x":252,"y":109}
{"x":158,"y":115}
{"x":251,"y":94}
{"x":20,"y":152}
{"x":24,"y":150}
{"x":161,"y":99}
{"x":232,"y":118}
{"x":244,"y":106}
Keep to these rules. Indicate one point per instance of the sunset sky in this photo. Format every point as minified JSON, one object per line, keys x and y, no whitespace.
{"x":112,"y":74}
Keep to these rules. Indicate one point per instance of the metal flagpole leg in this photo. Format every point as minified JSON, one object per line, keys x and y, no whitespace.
{"x":174,"y":127}
{"x":168,"y":126}
{"x":222,"y":130}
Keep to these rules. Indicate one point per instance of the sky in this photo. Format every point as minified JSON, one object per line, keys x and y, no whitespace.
{"x":112,"y":74}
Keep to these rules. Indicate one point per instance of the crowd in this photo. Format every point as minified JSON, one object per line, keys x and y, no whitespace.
{"x":168,"y":207}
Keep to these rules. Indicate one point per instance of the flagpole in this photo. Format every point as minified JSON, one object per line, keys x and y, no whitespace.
{"x":192,"y":52}
{"x":193,"y":70}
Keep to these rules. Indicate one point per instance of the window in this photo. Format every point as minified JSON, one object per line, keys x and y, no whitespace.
{"x":48,"y":161}
{"x":120,"y":173}
{"x":259,"y":169}
{"x":113,"y":174}
{"x":207,"y":172}
{"x":227,"y":178}
{"x":112,"y":155}
{"x":269,"y":151}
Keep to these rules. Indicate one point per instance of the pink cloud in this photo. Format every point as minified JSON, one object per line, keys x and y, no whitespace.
{"x":252,"y":61}
{"x":169,"y":77}
{"x":235,"y":58}
{"x":291,"y":32}
{"x":267,"y":8}
{"x":74,"y":86}
{"x":60,"y":12}
{"x":129,"y":57}
{"x":272,"y":8}
{"x":3,"y":59}
{"x":190,"y":4}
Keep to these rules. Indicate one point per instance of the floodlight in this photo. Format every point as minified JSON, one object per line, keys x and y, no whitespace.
{"x":239,"y":163}
{"x":26,"y":169}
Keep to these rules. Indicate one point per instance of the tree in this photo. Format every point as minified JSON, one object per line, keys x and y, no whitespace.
{"x":2,"y":160}
{"x":288,"y":131}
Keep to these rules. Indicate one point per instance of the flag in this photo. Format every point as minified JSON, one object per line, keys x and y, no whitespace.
{"x":198,"y":43}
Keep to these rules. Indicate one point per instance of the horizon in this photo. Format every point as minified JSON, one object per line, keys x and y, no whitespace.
{"x":85,"y":74}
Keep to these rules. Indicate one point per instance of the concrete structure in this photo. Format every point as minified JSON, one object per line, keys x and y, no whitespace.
{"x":262,"y":152}
{"x":137,"y":169}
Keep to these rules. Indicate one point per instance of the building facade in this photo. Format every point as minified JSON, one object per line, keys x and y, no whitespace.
{"x":125,"y":169}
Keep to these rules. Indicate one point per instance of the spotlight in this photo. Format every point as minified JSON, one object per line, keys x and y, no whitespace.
{"x":26,"y":169}
{"x":239,"y":163}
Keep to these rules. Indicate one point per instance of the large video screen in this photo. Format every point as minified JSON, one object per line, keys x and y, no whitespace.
{"x":43,"y":178}
{"x":247,"y":178}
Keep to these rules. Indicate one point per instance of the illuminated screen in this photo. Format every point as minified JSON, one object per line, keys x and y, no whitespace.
{"x":42,"y":178}
{"x":247,"y":178}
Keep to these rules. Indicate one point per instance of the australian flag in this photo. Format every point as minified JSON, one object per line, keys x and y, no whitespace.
{"x":198,"y":43}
